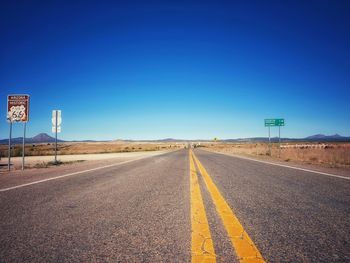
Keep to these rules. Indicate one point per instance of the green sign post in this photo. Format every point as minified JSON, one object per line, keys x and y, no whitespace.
{"x":275,"y":123}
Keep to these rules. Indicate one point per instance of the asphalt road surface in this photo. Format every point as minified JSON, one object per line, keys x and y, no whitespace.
{"x":145,"y":211}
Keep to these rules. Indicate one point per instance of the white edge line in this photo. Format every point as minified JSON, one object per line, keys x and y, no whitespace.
{"x":75,"y":173}
{"x":283,"y":165}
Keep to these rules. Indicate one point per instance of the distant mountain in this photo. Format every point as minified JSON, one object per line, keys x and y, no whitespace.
{"x":258,"y":139}
{"x":322,"y":136}
{"x":168,"y":140}
{"x":40,"y":138}
{"x":313,"y":138}
{"x":45,"y":138}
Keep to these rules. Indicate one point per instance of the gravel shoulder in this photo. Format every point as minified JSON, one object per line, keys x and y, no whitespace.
{"x":342,"y":171}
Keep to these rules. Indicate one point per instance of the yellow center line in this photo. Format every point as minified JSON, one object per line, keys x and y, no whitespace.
{"x":202,"y":247}
{"x":244,"y":247}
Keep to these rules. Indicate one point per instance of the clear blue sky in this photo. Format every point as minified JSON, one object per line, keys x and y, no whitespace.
{"x":180,"y":69}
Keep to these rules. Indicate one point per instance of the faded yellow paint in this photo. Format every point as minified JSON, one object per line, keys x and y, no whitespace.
{"x":244,"y":247}
{"x":202,"y":247}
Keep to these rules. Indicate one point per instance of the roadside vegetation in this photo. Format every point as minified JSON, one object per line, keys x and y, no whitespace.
{"x":326,"y":154}
{"x":43,"y":149}
{"x":49,"y":164}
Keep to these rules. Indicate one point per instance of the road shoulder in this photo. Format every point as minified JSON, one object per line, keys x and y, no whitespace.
{"x":19,"y":177}
{"x":341,"y":172}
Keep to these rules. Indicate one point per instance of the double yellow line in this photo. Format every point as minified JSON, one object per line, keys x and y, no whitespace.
{"x":202,"y":244}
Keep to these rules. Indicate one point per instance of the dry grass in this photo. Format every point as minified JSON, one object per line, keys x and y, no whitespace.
{"x":86,"y":148}
{"x":58,"y":163}
{"x":330,"y":154}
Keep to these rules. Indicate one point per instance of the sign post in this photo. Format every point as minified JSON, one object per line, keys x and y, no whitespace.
{"x":273,"y":123}
{"x":17,"y":111}
{"x":269,"y":141}
{"x":23,"y":144}
{"x":56,"y":128}
{"x":279,"y":141}
{"x":56,"y":137}
{"x":9,"y":148}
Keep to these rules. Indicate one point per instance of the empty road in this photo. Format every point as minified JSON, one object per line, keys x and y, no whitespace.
{"x":180,"y":206}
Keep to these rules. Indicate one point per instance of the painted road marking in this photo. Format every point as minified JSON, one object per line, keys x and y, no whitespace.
{"x":202,"y":246}
{"x":75,"y":173}
{"x":243,"y":245}
{"x":283,"y":165}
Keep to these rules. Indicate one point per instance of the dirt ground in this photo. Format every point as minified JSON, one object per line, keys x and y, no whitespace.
{"x":65,"y":148}
{"x":42,"y":155}
{"x":38,"y":161}
{"x":330,"y":155}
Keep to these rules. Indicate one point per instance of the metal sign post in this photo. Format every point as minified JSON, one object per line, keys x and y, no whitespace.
{"x":269,"y":142}
{"x":17,"y":111}
{"x":279,"y":141}
{"x":56,"y":128}
{"x":272,"y":123}
{"x":9,"y":149}
{"x":56,"y":139}
{"x":23,"y":143}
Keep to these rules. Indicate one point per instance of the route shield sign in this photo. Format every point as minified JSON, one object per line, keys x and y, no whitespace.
{"x":18,"y":108}
{"x":274,"y":122}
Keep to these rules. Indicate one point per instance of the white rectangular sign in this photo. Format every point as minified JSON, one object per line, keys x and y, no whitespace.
{"x":59,"y":120}
{"x":54,"y":129}
{"x":59,"y":117}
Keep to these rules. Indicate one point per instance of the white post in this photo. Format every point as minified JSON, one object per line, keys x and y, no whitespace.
{"x":23,"y":143}
{"x":9,"y":149}
{"x":269,"y":142}
{"x":56,"y":138}
{"x":279,"y":141}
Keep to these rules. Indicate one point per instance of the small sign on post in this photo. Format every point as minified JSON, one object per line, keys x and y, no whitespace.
{"x":273,"y":123}
{"x":17,"y":111}
{"x":56,"y":127}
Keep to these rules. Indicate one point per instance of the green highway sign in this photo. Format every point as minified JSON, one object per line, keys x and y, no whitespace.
{"x":274,"y":122}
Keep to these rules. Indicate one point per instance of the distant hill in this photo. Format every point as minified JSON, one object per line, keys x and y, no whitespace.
{"x":45,"y":138}
{"x":313,"y":138}
{"x":40,"y":138}
{"x":325,"y":137}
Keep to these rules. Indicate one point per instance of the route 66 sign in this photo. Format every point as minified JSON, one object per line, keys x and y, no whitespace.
{"x":18,"y":108}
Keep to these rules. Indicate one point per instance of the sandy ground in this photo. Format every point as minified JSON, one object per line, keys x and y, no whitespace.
{"x":69,"y":148}
{"x":31,"y":161}
{"x":343,"y":171}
